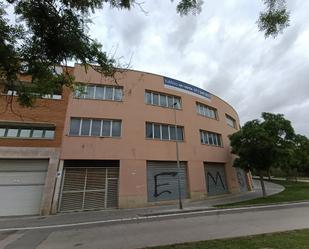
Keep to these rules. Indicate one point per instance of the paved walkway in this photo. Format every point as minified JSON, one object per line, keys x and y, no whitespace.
{"x":80,"y":217}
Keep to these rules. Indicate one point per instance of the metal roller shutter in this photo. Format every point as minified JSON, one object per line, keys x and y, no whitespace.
{"x":242,"y":180}
{"x":215,"y":179}
{"x":21,"y":186}
{"x":89,"y":188}
{"x":162,"y":181}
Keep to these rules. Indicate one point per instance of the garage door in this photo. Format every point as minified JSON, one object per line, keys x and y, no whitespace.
{"x":242,"y":180}
{"x":215,"y":179}
{"x":87,"y":188}
{"x":21,"y":186}
{"x":162,"y":181}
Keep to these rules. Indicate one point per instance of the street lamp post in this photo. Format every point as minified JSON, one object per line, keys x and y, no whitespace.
{"x":177,"y":156}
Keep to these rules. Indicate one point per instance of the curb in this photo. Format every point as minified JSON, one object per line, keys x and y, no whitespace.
{"x":162,"y":216}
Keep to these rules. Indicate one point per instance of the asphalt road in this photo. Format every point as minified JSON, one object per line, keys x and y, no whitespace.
{"x":180,"y":229}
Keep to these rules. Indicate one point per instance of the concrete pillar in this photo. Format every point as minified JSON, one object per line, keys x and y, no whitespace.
{"x":132,"y":183}
{"x":196,"y":180}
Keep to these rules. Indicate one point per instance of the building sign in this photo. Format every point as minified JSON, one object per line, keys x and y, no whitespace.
{"x":187,"y":88}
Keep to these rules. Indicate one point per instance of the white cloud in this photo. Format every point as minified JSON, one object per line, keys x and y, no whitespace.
{"x":220,"y":50}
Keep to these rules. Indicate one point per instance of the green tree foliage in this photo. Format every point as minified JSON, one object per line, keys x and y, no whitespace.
{"x":52,"y":32}
{"x":261,"y":144}
{"x":297,"y":162}
{"x":275,"y":18}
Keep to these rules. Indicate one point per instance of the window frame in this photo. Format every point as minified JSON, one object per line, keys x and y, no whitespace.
{"x":169,"y":126}
{"x":216,"y":138}
{"x":102,"y":122}
{"x":203,"y":110}
{"x":83,"y":95}
{"x":166,"y":96}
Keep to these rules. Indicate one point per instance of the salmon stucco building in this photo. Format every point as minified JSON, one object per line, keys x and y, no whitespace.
{"x":114,"y":145}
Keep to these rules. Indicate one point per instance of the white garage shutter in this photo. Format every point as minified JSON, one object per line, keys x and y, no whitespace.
{"x":21,"y":186}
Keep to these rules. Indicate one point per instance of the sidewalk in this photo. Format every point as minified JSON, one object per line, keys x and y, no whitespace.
{"x":79,"y":217}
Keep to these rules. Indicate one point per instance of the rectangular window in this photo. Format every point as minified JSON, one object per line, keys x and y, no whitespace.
{"x":118,"y":94}
{"x":36,"y":133}
{"x":230,"y":121}
{"x":155,"y":99}
{"x":100,"y":92}
{"x":163,"y":131}
{"x":148,"y":98}
{"x":26,"y":131}
{"x":165,"y":135}
{"x":206,"y":111}
{"x":75,"y":126}
{"x":12,"y":132}
{"x":161,"y":99}
{"x":49,"y":134}
{"x":89,"y":92}
{"x":109,"y":93}
{"x":211,"y":138}
{"x":116,"y":128}
{"x":95,"y":127}
{"x":149,"y":133}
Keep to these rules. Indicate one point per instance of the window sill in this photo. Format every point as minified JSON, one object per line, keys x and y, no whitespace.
{"x":216,"y":119}
{"x":164,"y":140}
{"x":68,"y":135}
{"x":29,"y":138}
{"x":214,"y":146}
{"x":165,"y":107}
{"x":108,"y":100}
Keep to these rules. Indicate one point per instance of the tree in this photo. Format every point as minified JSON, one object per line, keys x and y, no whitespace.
{"x":52,"y":32}
{"x":298,"y":158}
{"x":261,"y":144}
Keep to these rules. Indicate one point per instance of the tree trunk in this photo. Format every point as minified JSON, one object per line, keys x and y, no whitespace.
{"x":269,"y":175}
{"x":262,"y":184}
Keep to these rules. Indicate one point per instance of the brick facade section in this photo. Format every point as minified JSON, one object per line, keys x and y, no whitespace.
{"x":44,"y":111}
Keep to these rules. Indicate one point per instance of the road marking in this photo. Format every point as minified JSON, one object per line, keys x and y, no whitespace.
{"x":142,"y":218}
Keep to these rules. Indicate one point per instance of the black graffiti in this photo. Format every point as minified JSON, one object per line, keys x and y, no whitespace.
{"x":240,"y":179}
{"x":156,"y":185}
{"x":215,"y":180}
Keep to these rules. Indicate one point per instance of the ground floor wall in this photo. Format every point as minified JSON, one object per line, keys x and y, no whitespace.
{"x":133,"y":185}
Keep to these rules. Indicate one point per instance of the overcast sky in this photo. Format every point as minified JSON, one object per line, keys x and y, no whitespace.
{"x":220,"y":50}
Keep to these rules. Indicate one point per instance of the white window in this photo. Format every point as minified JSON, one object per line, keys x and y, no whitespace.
{"x":206,"y":111}
{"x":161,"y":99}
{"x":95,"y":127}
{"x":163,"y":131}
{"x":230,"y":121}
{"x":24,"y":132}
{"x":211,"y":138}
{"x":100,"y":92}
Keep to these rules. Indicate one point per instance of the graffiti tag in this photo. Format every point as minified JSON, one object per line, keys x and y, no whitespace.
{"x":157,"y":185}
{"x":216,"y":179}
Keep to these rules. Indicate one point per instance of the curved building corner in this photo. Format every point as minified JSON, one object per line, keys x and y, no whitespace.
{"x":119,"y":143}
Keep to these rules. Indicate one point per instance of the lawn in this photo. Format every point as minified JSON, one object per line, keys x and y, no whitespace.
{"x":294,"y":191}
{"x":298,"y":239}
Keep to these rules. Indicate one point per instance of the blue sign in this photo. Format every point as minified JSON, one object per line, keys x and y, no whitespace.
{"x":168,"y":82}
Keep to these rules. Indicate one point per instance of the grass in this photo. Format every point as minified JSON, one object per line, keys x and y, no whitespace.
{"x":298,"y":239}
{"x":294,"y":191}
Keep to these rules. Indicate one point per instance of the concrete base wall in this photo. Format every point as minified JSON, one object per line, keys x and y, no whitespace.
{"x":51,"y":154}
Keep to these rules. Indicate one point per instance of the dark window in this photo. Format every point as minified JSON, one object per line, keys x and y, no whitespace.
{"x":149,"y":133}
{"x":85,"y":130}
{"x":165,"y":132}
{"x":74,"y":127}
{"x":96,"y":128}
{"x":157,"y":131}
{"x":116,"y":129}
{"x":106,"y":128}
